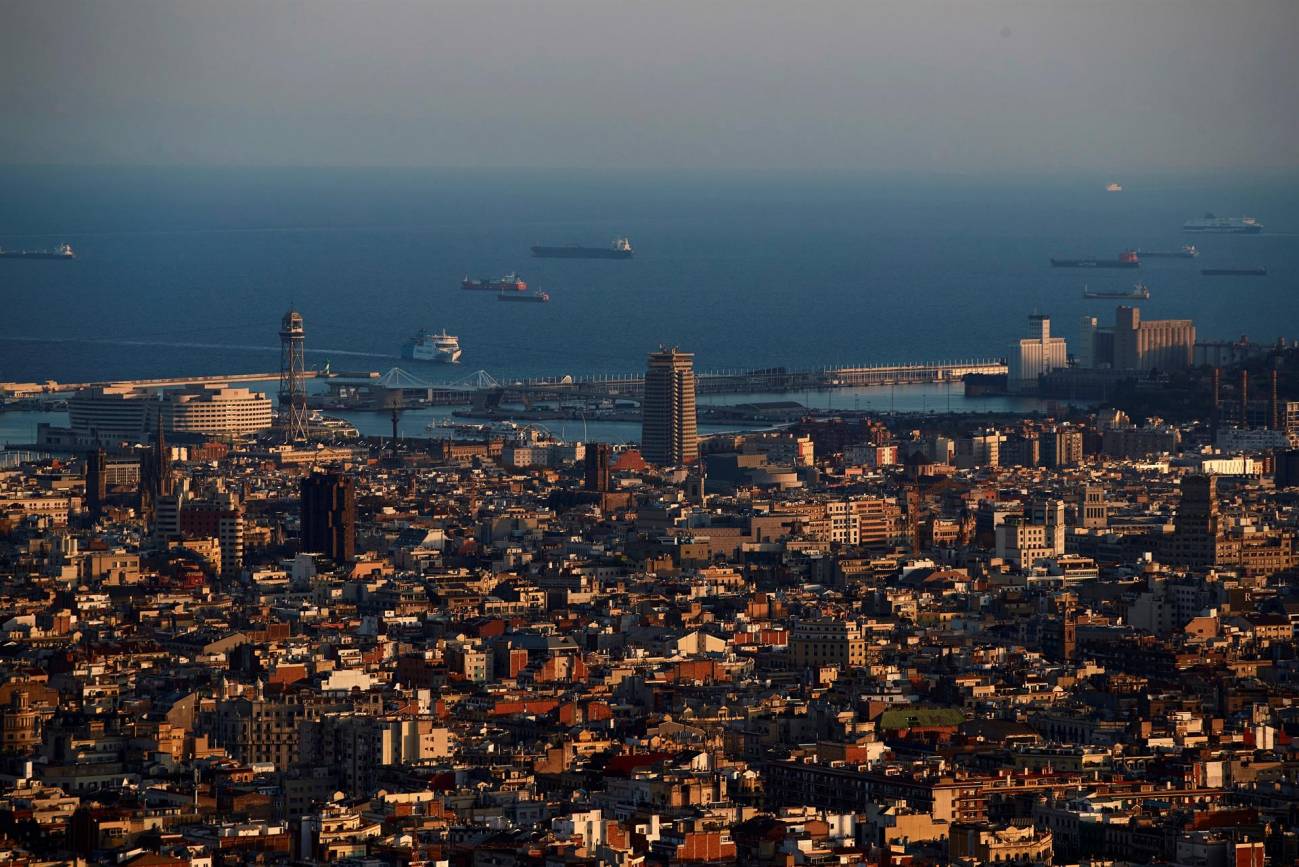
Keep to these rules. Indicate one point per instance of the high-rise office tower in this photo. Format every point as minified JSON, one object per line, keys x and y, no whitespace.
{"x":668,"y":426}
{"x":329,"y":516}
{"x":293,"y":381}
{"x":1197,"y":529}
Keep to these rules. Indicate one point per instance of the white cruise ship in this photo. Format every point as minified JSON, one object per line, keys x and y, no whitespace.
{"x":427,"y":346}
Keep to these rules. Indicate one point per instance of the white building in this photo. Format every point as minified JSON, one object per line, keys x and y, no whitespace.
{"x":1225,"y":465}
{"x":129,"y":412}
{"x":216,"y":410}
{"x":112,"y":412}
{"x":1035,"y":354}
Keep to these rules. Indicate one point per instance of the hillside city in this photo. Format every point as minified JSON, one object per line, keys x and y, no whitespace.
{"x":856,"y":638}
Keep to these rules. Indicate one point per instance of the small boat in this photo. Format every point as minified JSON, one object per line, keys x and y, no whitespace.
{"x":535,"y":297}
{"x":1113,"y":188}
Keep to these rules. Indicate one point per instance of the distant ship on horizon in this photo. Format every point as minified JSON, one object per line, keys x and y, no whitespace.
{"x":1234,"y":272}
{"x":1126,"y":259}
{"x":63,"y":251}
{"x":1113,"y":187}
{"x":509,"y":283}
{"x":1224,"y":225}
{"x":619,"y":249}
{"x":1188,"y":251}
{"x":537,"y":297}
{"x":1138,"y":292}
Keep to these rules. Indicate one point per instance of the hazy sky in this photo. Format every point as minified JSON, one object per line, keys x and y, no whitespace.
{"x":928,"y":85}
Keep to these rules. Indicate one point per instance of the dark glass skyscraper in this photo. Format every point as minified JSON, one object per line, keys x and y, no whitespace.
{"x":668,"y":426}
{"x":329,"y":516}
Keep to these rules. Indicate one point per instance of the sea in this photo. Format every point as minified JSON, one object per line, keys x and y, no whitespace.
{"x":188,"y":271}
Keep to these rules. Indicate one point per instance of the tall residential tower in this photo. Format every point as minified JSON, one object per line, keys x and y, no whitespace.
{"x":668,"y":427}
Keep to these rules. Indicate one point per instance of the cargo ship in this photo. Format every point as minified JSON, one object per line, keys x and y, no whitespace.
{"x":1138,"y":292}
{"x":619,"y":249}
{"x":1224,"y":225}
{"x":1234,"y":272}
{"x":1126,"y":259}
{"x":426,"y":346}
{"x":1187,"y":252}
{"x":63,"y":251}
{"x":509,"y":283}
{"x":535,"y":297}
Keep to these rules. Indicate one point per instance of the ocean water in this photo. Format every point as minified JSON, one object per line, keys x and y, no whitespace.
{"x":187,"y":271}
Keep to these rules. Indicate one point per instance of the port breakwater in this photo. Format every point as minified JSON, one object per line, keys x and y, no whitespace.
{"x":768,"y":380}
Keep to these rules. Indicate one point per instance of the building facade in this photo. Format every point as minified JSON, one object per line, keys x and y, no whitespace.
{"x":834,"y":643}
{"x":128,"y":412}
{"x":216,"y":410}
{"x":1034,"y":355}
{"x":669,"y":435}
{"x":1155,"y":344}
{"x":329,"y":516}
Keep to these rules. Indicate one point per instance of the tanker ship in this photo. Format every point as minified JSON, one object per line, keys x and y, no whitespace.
{"x":63,"y":251}
{"x":1187,"y":252}
{"x":1234,"y":272}
{"x":509,"y":283}
{"x":1126,"y":259}
{"x":1224,"y":225}
{"x":1138,"y":292}
{"x":535,"y":297}
{"x":619,"y":249}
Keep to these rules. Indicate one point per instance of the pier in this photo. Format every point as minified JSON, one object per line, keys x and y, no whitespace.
{"x":52,"y":387}
{"x":368,"y":390}
{"x":767,"y":380}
